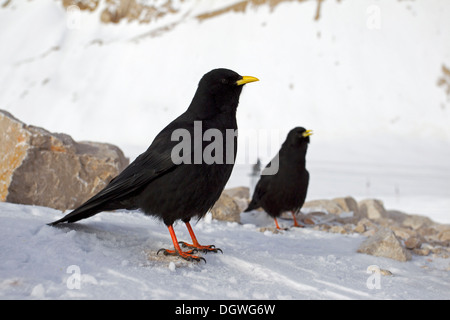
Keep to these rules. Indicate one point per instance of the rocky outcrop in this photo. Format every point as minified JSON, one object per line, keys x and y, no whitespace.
{"x":49,"y":169}
{"x":116,"y":11}
{"x":390,"y":233}
{"x":408,"y":234}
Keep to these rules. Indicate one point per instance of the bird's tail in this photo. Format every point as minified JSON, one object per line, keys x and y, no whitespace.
{"x":252,"y":206}
{"x":86,"y":210}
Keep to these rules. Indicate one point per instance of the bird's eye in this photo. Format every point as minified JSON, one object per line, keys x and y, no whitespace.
{"x":224,"y":81}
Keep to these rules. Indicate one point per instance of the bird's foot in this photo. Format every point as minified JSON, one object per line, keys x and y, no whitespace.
{"x":204,"y":249}
{"x":297,"y":226}
{"x":186,"y":255}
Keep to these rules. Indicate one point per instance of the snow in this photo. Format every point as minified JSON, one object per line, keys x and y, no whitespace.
{"x":368,"y":88}
{"x":113,"y":256}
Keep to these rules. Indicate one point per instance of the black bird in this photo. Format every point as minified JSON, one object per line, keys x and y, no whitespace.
{"x":284,"y":182}
{"x":173,"y":190}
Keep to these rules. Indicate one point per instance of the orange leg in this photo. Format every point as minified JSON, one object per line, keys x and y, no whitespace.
{"x":178,"y":252}
{"x":295,"y":221}
{"x":195,"y":243}
{"x":276,"y":223}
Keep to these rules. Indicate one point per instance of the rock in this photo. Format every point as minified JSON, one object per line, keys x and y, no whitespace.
{"x":348,"y":204}
{"x":338,"y":229}
{"x":226,"y":209}
{"x":328,"y":206}
{"x":360,"y":228}
{"x":269,"y":229}
{"x":385,"y":272}
{"x":416,"y":222}
{"x":48,"y":169}
{"x":368,"y":225}
{"x":428,"y":232}
{"x":241,"y":203}
{"x":308,"y":221}
{"x":384,"y":243}
{"x":240,"y":195}
{"x":397,"y":216}
{"x":413,"y":243}
{"x":238,"y":192}
{"x":324,"y":227}
{"x":403,"y":233}
{"x":372,"y":209}
{"x":444,"y":236}
{"x":370,"y":232}
{"x":421,"y":251}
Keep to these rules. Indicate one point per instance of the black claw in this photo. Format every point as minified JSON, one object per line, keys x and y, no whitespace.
{"x":189,"y":258}
{"x":212,"y":248}
{"x":183,"y":244}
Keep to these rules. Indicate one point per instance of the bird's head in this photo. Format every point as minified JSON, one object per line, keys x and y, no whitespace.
{"x":219,"y":91}
{"x":299,"y":136}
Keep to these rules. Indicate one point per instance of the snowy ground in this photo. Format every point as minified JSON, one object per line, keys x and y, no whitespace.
{"x":370,"y":95}
{"x":113,"y":256}
{"x":114,"y":253}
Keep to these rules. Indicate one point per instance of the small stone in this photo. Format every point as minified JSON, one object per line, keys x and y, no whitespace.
{"x":385,"y":272}
{"x":338,"y":229}
{"x":270,"y":229}
{"x":360,"y":228}
{"x":413,"y":243}
{"x":422,"y":251}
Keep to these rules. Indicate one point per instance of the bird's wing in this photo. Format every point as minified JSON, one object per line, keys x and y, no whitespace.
{"x":260,"y":189}
{"x":150,"y":165}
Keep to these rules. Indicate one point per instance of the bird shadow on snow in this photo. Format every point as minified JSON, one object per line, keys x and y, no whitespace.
{"x":134,"y":242}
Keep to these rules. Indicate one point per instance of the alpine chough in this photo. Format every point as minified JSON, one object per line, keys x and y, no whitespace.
{"x":179,"y":190}
{"x":286,"y":188}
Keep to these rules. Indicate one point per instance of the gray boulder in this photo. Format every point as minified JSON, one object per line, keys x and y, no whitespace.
{"x":41,"y":168}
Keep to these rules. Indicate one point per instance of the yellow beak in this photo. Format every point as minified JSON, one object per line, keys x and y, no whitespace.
{"x":307,"y":133}
{"x":246,"y":79}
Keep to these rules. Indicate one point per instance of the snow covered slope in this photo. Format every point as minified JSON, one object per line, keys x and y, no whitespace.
{"x":356,"y":70}
{"x":113,"y":256}
{"x":368,"y":76}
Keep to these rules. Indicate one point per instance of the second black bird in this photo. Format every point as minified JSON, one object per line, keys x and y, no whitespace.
{"x":162,"y":187}
{"x":284,"y":182}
